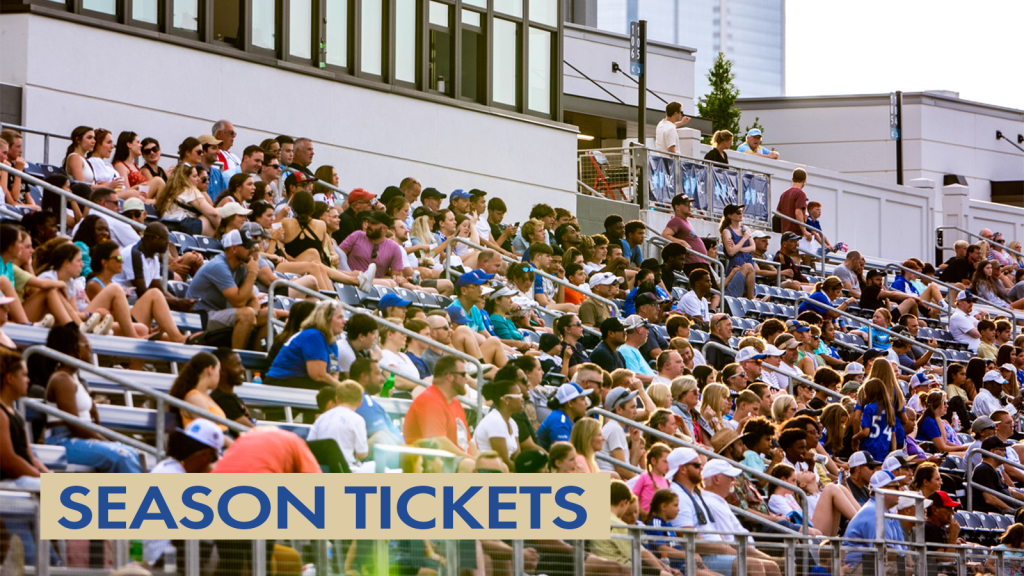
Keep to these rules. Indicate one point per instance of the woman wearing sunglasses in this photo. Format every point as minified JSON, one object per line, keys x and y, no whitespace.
{"x":498,"y":431}
{"x":107,"y":263}
{"x":126,"y":154}
{"x":151,"y":156}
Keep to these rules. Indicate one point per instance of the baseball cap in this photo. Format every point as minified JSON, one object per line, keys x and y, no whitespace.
{"x":731,"y":209}
{"x":380,"y":217}
{"x":941,"y":498}
{"x":644,"y":299}
{"x":604,"y":278}
{"x":787,"y":236}
{"x":531,"y":461}
{"x":254,"y":230}
{"x":389,"y":193}
{"x":548,"y":341}
{"x":993,"y":376}
{"x":770,"y":350}
{"x":432,"y":193}
{"x":570,"y":391}
{"x":205,"y":432}
{"x":460,"y":194}
{"x":894,"y":462}
{"x":678,"y":458}
{"x":390,"y":300}
{"x":236,"y":238}
{"x":207,"y":139}
{"x":233,"y":209}
{"x":754,"y":132}
{"x":457,"y":314}
{"x":716,"y":467}
{"x":854,"y":368}
{"x":797,"y":326}
{"x":808,"y":412}
{"x":618,"y":397}
{"x":297,"y":177}
{"x":787,"y":343}
{"x":633,"y":322}
{"x":748,"y":353}
{"x":921,"y":379}
{"x":909,"y":501}
{"x":850,"y":387}
{"x":503,"y":291}
{"x":476,"y":277}
{"x":982,"y":423}
{"x":723,"y":439}
{"x":612,"y":325}
{"x":681,"y":199}
{"x":871,"y":354}
{"x":994,"y":442}
{"x":1008,"y":367}
{"x":133,"y":204}
{"x":965,"y":295}
{"x":359,"y":195}
{"x":881,"y":479}
{"x":761,"y":234}
{"x":863,"y":458}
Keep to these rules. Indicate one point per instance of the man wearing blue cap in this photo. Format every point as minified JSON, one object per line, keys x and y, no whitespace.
{"x":459,"y":202}
{"x":753,"y":145}
{"x":465,"y":311}
{"x":392,"y":307}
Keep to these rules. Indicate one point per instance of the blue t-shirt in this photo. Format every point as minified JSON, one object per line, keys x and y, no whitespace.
{"x":862,"y":526}
{"x":879,"y":440}
{"x":745,"y":148}
{"x":634,"y":255}
{"x":307,"y":345}
{"x":211,"y":281}
{"x":818,"y":296}
{"x":555,"y":428}
{"x":420,"y":364}
{"x":928,"y":429}
{"x":900,"y":284}
{"x":476,"y":319}
{"x":879,"y":339}
{"x":812,"y":223}
{"x":635,"y":360}
{"x":377,"y":419}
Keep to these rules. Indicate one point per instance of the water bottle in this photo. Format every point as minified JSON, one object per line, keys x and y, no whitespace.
{"x":256,"y":379}
{"x":135,"y":551}
{"x":956,"y":422}
{"x":170,"y":560}
{"x":388,"y":385}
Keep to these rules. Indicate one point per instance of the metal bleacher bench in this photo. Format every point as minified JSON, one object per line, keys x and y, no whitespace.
{"x":120,"y":346}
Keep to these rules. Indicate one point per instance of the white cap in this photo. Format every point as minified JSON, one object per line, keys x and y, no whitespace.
{"x":716,"y":467}
{"x":854,"y":368}
{"x":770,"y":350}
{"x":569,"y":391}
{"x":234,"y":238}
{"x":881,"y":479}
{"x":604,"y":278}
{"x":206,"y":432}
{"x":993,"y":376}
{"x":1009,"y":367}
{"x":891,"y":464}
{"x":503,"y":291}
{"x":633,"y":322}
{"x":678,"y":458}
{"x":908,"y":501}
{"x":133,"y":204}
{"x":748,"y":353}
{"x":233,"y":209}
{"x":860,"y":459}
{"x":761,"y":234}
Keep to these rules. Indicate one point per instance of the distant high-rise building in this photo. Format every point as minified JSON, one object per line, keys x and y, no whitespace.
{"x":750,"y":32}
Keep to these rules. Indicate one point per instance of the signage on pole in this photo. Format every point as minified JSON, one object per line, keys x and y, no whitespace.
{"x":635,"y":66}
{"x":894,"y":118}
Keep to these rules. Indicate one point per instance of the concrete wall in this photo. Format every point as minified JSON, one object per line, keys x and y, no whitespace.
{"x":942,"y":135}
{"x":373,"y":138}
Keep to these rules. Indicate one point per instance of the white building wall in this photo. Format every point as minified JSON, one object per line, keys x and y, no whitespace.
{"x":373,"y":138}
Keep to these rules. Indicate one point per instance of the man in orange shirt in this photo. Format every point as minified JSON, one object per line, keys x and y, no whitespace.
{"x":268,"y":450}
{"x":437,"y":414}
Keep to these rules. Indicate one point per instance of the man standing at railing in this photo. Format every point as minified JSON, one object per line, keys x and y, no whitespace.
{"x":666,"y":138}
{"x":753,"y":145}
{"x":863,"y":525}
{"x":793,"y":203}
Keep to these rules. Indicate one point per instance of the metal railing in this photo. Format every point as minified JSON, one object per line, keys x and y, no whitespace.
{"x":776,"y":265}
{"x":63,"y":216}
{"x":871,"y":327}
{"x":162,"y":400}
{"x":971,"y":484}
{"x":50,"y":410}
{"x":797,"y":491}
{"x":46,"y":137}
{"x":793,"y":377}
{"x":804,"y":225}
{"x":939,"y":246}
{"x":882,"y":514}
{"x":655,"y":238}
{"x":272,"y":296}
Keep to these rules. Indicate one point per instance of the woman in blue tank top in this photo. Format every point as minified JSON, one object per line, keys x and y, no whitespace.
{"x":738,"y":242}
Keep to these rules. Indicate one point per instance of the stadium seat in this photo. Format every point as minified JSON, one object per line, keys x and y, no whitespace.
{"x":348,"y":294}
{"x":329,"y":456}
{"x":208,"y":246}
{"x":42,"y":170}
{"x":177,"y":289}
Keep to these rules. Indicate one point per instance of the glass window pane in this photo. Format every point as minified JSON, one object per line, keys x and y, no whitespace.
{"x":264,"y":14}
{"x":510,"y":7}
{"x":105,"y":6}
{"x":186,"y":14}
{"x":144,"y":11}
{"x":540,"y":71}
{"x":474,"y":59}
{"x":441,"y":61}
{"x":227,"y":18}
{"x":477,"y":3}
{"x":405,"y":40}
{"x":505,"y":62}
{"x":372,"y":28}
{"x":337,"y":33}
{"x":439,"y":14}
{"x":544,"y":12}
{"x":300,"y":28}
{"x":471,"y":18}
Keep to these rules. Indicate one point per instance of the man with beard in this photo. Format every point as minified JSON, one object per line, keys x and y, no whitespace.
{"x":437,"y":414}
{"x":232,"y":373}
{"x":373,"y":247}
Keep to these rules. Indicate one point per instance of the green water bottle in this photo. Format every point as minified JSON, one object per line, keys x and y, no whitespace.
{"x":388,"y":385}
{"x":135,"y":551}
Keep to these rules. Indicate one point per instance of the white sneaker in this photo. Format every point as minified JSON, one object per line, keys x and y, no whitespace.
{"x":366,"y":278}
{"x":105,"y":327}
{"x":91,"y":322}
{"x":46,"y":322}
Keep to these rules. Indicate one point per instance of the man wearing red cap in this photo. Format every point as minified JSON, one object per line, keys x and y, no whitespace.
{"x":358,"y":201}
{"x":940,"y":527}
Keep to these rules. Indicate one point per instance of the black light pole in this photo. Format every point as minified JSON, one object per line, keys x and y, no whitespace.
{"x":899,"y":140}
{"x":642,"y":96}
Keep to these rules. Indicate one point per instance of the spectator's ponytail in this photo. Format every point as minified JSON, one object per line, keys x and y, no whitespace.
{"x":76,"y":138}
{"x":303,"y":206}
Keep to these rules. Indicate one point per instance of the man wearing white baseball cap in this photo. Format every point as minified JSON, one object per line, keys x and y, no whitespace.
{"x":750,"y":360}
{"x":773,"y":378}
{"x":572,"y":405}
{"x":863,"y":524}
{"x":986,"y":401}
{"x":593,"y":312}
{"x":621,"y":401}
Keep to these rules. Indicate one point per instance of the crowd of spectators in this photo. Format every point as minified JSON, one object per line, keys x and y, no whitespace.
{"x":553,"y":323}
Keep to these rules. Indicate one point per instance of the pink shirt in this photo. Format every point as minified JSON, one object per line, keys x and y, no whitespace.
{"x":390,"y":256}
{"x":682,"y":230}
{"x":645,"y":488}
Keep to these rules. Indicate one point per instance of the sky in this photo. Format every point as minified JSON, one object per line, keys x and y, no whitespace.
{"x":875,"y":46}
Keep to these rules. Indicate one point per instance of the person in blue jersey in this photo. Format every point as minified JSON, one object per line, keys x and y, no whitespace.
{"x":825,"y":292}
{"x":876,"y":338}
{"x":878,"y":421}
{"x":310,"y":358}
{"x":906,"y":282}
{"x":863,"y":526}
{"x":568,"y":405}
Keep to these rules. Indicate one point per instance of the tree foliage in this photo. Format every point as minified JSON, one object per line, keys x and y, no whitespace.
{"x":719,"y":105}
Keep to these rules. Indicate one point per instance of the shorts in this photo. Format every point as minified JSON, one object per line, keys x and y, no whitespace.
{"x":218,"y":319}
{"x":721,"y":563}
{"x":737,"y":287}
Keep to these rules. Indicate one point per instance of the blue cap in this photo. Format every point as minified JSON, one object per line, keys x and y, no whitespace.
{"x":476,"y":277}
{"x":390,"y":300}
{"x":457,"y":314}
{"x":460,"y":194}
{"x":753,"y":132}
{"x":797,"y":326}
{"x":921,"y":379}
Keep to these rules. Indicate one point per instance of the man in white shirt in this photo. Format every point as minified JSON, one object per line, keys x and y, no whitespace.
{"x":344,"y":426}
{"x":986,"y":402}
{"x":670,"y":367}
{"x":694,"y":304}
{"x":666,"y":138}
{"x":963,"y":325}
{"x":121,"y":233}
{"x":225,"y":132}
{"x":777,"y":380}
{"x":620,"y":401}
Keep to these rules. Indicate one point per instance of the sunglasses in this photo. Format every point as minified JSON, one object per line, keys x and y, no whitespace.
{"x":149,"y":151}
{"x":119,"y":258}
{"x":373,"y":255}
{"x":204,"y":180}
{"x":273,"y":165}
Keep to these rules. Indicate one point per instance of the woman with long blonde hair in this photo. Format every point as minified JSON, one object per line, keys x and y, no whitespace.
{"x":182,"y":201}
{"x":715,"y":403}
{"x":783,"y":408}
{"x":587,"y":439}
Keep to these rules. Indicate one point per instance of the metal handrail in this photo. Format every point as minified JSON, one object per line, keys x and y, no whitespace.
{"x":537,"y":271}
{"x":881,"y":515}
{"x":655,"y":238}
{"x":49,"y":410}
{"x":776,"y":265}
{"x":161,"y":398}
{"x":792,"y":377}
{"x":709,"y":454}
{"x":870,"y":327}
{"x":46,"y":137}
{"x":272,"y":295}
{"x":972,"y":235}
{"x":970,"y":477}
{"x":804,"y":225}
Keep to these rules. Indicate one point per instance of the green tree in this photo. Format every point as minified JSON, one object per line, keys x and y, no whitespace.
{"x":719,"y":105}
